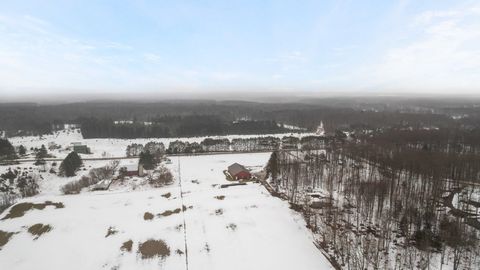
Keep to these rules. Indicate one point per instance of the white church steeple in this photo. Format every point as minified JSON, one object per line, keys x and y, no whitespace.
{"x":320,"y":129}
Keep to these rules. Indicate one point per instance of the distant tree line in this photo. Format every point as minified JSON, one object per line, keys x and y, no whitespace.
{"x":173,"y":119}
{"x":106,"y":128}
{"x":174,"y":126}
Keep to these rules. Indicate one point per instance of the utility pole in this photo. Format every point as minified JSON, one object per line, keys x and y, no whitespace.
{"x":183,"y":213}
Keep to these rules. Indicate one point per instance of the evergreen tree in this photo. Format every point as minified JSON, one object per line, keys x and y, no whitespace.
{"x":6,"y":150}
{"x":272,"y":166}
{"x":40,"y":156}
{"x":70,"y":165}
{"x":42,"y":152}
{"x":147,"y":160}
{"x":22,"y":150}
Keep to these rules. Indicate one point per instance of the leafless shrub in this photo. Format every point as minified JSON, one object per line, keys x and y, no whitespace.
{"x":94,"y":176}
{"x":104,"y":172}
{"x":7,"y":200}
{"x":111,"y":231}
{"x":160,"y":177}
{"x":75,"y":187}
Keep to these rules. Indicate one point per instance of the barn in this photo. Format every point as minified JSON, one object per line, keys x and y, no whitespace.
{"x":132,"y":168}
{"x":238,"y":172}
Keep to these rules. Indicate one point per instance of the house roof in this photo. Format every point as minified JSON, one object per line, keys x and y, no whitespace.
{"x":236,"y":168}
{"x":131,"y":166}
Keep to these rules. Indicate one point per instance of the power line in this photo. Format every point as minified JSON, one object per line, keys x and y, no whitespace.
{"x":183,"y":213}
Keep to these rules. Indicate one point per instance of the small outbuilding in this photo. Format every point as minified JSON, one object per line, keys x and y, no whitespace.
{"x":238,"y":172}
{"x":80,"y":148}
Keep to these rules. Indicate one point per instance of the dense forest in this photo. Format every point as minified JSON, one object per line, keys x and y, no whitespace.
{"x":390,"y":199}
{"x":207,"y":117}
{"x":175,"y":126}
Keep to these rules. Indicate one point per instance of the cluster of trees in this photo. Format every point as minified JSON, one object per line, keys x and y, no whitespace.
{"x":179,"y":147}
{"x":17,"y":184}
{"x":445,"y":154}
{"x":8,"y":152}
{"x":446,"y":140}
{"x":374,"y":203}
{"x":215,"y":145}
{"x":267,"y":143}
{"x":155,"y":148}
{"x":149,"y":155}
{"x":255,"y":144}
{"x":23,"y":181}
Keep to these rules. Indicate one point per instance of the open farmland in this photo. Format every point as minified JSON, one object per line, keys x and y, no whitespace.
{"x":239,"y":227}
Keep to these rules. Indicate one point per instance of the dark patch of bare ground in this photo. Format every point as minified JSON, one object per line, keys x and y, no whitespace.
{"x":148,"y":216}
{"x":4,"y":238}
{"x":111,"y":231}
{"x":38,"y":229}
{"x":127,"y":246}
{"x":170,"y":212}
{"x":20,"y":209}
{"x":167,"y":195}
{"x":221,"y":197}
{"x":153,"y":248}
{"x":232,"y":185}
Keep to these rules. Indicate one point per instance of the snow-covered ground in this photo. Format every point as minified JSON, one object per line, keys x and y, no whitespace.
{"x":113,"y":147}
{"x":239,"y":227}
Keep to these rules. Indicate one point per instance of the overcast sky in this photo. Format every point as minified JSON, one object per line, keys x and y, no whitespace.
{"x":71,"y":47}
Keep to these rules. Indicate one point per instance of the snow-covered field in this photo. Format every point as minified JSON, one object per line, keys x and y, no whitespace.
{"x":239,"y":227}
{"x":112,"y":147}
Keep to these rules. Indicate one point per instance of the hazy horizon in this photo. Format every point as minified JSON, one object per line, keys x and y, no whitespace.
{"x":88,"y":50}
{"x":264,"y":97}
